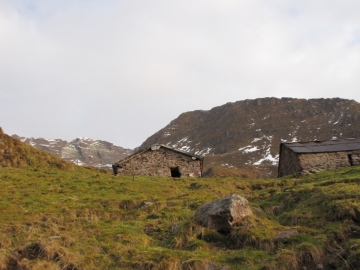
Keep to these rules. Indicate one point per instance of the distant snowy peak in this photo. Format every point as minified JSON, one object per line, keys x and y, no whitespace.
{"x":81,"y":151}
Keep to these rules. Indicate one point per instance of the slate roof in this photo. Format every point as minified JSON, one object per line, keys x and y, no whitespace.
{"x":324,"y":146}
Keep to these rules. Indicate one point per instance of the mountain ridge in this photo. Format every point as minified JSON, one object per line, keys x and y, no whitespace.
{"x":81,"y":151}
{"x":14,"y":153}
{"x":248,"y":133}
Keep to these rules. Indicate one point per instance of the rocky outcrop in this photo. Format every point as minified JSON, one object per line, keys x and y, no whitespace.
{"x":223,"y":214}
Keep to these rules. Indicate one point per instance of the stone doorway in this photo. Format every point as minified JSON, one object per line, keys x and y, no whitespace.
{"x":175,"y":172}
{"x":351,"y":160}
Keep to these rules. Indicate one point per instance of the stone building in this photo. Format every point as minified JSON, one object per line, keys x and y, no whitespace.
{"x":302,"y":157}
{"x":160,"y":160}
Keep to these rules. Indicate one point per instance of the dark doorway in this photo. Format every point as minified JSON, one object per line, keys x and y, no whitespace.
{"x":351,"y":160}
{"x":175,"y":172}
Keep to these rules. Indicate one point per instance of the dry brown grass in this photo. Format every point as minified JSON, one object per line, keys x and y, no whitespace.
{"x":286,"y":260}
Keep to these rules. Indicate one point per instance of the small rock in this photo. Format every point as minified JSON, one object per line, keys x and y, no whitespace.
{"x":285,"y":235}
{"x":145,"y":204}
{"x":305,"y":172}
{"x":175,"y":228}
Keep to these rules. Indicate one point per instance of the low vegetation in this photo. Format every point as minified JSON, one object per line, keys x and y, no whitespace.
{"x":67,"y":217}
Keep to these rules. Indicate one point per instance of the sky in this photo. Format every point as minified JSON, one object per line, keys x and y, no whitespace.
{"x":120,"y":70}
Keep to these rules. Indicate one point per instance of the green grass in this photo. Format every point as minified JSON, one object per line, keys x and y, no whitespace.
{"x":55,"y":216}
{"x":82,"y":218}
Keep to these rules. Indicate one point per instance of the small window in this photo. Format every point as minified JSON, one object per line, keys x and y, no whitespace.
{"x":175,"y":172}
{"x":351,"y":161}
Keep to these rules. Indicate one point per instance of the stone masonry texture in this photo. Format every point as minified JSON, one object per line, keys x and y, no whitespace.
{"x":159,"y":162}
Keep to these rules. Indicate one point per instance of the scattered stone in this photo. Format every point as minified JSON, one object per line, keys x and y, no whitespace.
{"x":277,"y":209}
{"x":285,"y":235}
{"x":315,"y":170}
{"x":257,"y":210}
{"x":319,"y":266}
{"x":128,"y":204}
{"x":175,"y":228}
{"x":145,"y":205}
{"x":223,"y":214}
{"x":305,"y":172}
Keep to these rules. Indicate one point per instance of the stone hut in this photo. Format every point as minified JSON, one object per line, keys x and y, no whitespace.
{"x":160,"y":160}
{"x":301,"y":157}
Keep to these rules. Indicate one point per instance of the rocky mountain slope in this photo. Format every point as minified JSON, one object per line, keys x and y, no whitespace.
{"x":14,"y":153}
{"x":81,"y":151}
{"x":237,"y":137}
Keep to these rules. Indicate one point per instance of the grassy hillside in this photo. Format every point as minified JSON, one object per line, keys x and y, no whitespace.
{"x":86,"y":219}
{"x":55,"y":215}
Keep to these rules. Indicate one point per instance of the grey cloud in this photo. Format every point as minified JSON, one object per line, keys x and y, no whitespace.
{"x":121,"y":70}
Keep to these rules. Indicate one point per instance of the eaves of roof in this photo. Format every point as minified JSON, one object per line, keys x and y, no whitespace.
{"x":324,"y":146}
{"x":155,"y":147}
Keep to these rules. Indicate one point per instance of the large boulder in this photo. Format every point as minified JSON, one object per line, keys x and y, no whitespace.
{"x":222,"y":214}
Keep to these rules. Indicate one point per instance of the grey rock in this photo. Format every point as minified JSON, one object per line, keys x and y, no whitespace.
{"x":285,"y":235}
{"x":224,"y":213}
{"x":175,"y":228}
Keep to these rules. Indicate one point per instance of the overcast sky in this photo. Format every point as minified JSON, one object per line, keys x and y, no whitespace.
{"x":121,"y":70}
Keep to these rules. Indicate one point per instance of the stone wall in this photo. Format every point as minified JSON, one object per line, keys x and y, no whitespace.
{"x":292,"y":163}
{"x":329,"y":161}
{"x":288,"y":163}
{"x":159,"y":163}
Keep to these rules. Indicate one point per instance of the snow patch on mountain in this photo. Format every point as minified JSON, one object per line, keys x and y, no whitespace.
{"x":252,"y":149}
{"x":86,"y":139}
{"x":267,"y":156}
{"x":269,"y":138}
{"x":101,"y":166}
{"x":78,"y":162}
